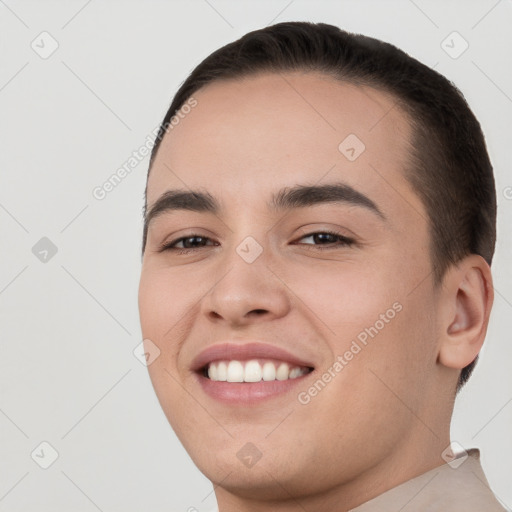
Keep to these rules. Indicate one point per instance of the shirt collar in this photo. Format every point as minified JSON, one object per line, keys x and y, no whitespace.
{"x":456,"y":485}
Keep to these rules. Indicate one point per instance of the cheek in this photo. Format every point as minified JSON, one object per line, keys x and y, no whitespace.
{"x":372,"y":313}
{"x":345,"y":298}
{"x":163,"y":311}
{"x":151,"y":290}
{"x":164,"y":298}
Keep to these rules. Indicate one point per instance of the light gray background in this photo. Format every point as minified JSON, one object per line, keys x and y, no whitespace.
{"x":68,"y":375}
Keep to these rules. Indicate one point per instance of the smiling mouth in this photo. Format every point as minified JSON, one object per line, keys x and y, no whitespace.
{"x":252,"y":371}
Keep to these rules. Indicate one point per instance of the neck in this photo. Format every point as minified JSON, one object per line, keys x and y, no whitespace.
{"x":417,"y":454}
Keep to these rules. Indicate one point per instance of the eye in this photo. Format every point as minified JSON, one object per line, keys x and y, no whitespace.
{"x":187,"y":244}
{"x":329,"y":239}
{"x":321,"y":239}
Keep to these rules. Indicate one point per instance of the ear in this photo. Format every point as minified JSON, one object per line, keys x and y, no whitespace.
{"x":467,"y":296}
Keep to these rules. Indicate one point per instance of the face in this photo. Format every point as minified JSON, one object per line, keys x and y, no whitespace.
{"x":334,"y":282}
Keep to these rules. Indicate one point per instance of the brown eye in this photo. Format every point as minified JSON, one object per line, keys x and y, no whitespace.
{"x":186,"y":244}
{"x":328,"y":238}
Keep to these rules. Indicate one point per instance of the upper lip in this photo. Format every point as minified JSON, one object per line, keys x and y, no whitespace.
{"x":254,"y":350}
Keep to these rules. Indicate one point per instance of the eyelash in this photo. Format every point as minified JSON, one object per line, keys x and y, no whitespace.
{"x":344,"y":242}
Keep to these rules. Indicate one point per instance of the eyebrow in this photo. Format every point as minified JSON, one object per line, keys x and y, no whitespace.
{"x":288,"y":198}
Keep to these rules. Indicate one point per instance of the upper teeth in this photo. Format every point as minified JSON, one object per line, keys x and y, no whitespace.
{"x":253,"y":371}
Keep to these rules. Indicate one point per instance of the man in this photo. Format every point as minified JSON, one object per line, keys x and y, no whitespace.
{"x":319,"y":226}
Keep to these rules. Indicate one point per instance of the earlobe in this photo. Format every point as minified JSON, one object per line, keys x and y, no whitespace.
{"x":467,"y":301}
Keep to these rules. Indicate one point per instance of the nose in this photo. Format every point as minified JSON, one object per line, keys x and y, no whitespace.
{"x":246,"y":293}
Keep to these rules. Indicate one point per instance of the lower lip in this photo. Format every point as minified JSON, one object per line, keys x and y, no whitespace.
{"x":248,"y":393}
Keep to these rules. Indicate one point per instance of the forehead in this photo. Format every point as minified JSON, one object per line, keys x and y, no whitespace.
{"x":245,"y":138}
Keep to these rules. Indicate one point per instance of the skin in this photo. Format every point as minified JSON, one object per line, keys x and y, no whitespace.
{"x":385,"y":417}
